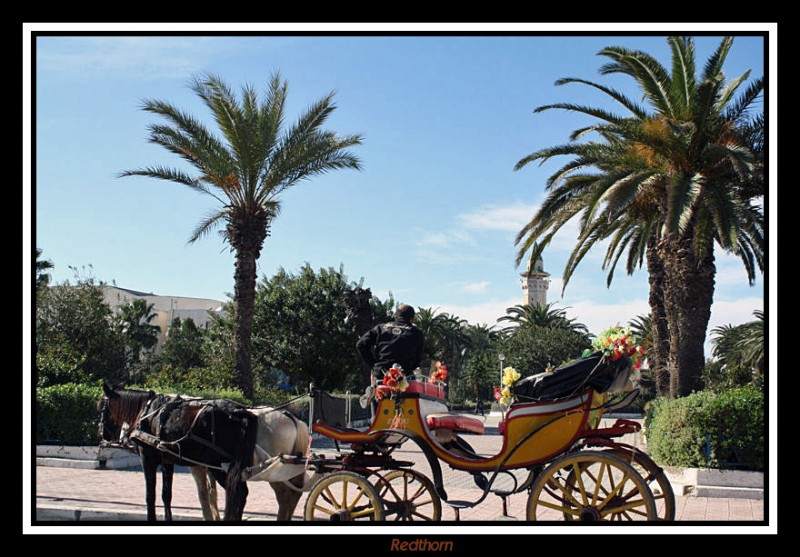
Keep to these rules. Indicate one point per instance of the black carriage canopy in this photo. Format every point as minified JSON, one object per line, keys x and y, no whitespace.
{"x":595,"y":371}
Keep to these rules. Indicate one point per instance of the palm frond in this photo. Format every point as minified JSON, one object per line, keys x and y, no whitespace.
{"x":728,"y":90}
{"x":735,"y":111}
{"x":683,"y":72}
{"x":715,"y":62}
{"x":599,"y":113}
{"x":636,"y":109}
{"x":207,"y":224}
{"x":171,"y":175}
{"x":646,"y":70}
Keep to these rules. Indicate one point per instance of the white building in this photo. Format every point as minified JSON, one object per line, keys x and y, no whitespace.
{"x":166,"y":308}
{"x":535,"y":282}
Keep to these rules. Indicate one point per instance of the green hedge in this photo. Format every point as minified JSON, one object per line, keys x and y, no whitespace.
{"x":67,"y":414}
{"x":708,"y":430}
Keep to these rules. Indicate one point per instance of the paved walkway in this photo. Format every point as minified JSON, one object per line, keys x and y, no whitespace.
{"x":70,"y":495}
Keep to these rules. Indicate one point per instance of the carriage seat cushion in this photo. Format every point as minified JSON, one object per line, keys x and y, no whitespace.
{"x":425,"y":388}
{"x":455,"y":422}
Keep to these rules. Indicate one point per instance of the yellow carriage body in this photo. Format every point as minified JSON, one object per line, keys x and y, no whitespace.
{"x":532,"y":432}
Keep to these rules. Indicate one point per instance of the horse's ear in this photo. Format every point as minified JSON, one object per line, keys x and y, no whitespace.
{"x":110,"y":391}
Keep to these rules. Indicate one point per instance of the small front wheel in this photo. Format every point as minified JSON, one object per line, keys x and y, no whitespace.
{"x":590,"y":486}
{"x":409,"y":496}
{"x":343,"y":497}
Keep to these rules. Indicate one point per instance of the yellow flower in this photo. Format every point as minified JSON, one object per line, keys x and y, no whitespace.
{"x":510,"y":376}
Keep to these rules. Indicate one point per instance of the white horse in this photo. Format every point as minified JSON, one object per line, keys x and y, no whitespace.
{"x":279,"y":433}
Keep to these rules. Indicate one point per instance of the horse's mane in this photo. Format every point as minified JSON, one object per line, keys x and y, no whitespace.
{"x":129,"y":404}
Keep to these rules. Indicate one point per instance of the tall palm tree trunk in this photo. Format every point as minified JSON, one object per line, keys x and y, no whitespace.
{"x":659,"y":357}
{"x":688,"y":295}
{"x":246,"y":232}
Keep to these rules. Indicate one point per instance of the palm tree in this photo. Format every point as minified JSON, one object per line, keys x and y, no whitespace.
{"x":664,"y":185}
{"x":543,"y":315}
{"x":741,"y":347}
{"x":135,"y":322}
{"x":246,"y":171}
{"x":445,"y":337}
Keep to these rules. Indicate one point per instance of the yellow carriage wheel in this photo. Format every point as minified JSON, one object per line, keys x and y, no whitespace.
{"x":343,"y":497}
{"x":590,"y":486}
{"x":656,"y":479}
{"x":409,"y":496}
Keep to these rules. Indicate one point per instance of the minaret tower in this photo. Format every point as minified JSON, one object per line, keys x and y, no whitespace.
{"x":535,"y":282}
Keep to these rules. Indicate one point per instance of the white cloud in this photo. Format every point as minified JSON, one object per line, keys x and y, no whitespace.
{"x":510,"y":218}
{"x":485,"y":313}
{"x":475,"y":287}
{"x":142,"y":57}
{"x":734,"y":312}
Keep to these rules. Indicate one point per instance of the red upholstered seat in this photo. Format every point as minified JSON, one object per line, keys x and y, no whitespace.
{"x":425,"y":388}
{"x":455,"y":422}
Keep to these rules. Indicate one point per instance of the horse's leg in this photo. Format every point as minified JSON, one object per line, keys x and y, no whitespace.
{"x":206,"y":492}
{"x":168,"y":470}
{"x":212,"y":495}
{"x":149,"y":465}
{"x":287,"y":497}
{"x":235,"y":497}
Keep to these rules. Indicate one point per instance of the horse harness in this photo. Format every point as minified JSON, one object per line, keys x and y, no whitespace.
{"x":173,"y":448}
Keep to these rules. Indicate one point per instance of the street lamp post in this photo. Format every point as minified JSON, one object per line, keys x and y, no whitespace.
{"x":501,"y":357}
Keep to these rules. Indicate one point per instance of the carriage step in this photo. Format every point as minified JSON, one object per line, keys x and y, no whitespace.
{"x":461,"y":504}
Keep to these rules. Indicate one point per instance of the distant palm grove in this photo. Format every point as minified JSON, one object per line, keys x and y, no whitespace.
{"x":660,"y":187}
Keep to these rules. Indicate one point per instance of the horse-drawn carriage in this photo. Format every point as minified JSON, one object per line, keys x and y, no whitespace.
{"x":574,"y":469}
{"x":551,"y":433}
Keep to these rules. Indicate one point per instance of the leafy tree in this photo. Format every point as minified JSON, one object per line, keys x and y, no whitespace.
{"x":42,"y":275}
{"x":183,"y":348}
{"x":300,"y":328}
{"x":481,"y":367}
{"x":677,"y":176}
{"x":75,"y":336}
{"x":532,"y":349}
{"x":246,"y":171}
{"x":382,"y":310}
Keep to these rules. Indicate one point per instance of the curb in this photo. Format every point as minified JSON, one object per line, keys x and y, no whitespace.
{"x":706,"y":482}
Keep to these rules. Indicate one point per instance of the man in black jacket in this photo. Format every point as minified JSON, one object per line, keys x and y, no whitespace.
{"x":397,"y":342}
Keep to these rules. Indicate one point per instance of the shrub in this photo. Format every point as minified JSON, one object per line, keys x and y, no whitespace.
{"x":67,"y":414}
{"x":708,"y":430}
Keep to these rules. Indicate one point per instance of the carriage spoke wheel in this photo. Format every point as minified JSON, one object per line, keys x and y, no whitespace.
{"x":656,"y":479}
{"x":343,"y":497}
{"x":409,"y":496}
{"x":590,"y":486}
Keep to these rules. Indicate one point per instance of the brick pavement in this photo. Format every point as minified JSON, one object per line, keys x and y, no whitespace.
{"x":72,"y":495}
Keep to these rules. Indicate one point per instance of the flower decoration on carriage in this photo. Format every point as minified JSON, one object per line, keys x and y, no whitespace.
{"x":616,"y":342}
{"x":439,"y":374}
{"x":395,"y":379}
{"x":504,"y":394}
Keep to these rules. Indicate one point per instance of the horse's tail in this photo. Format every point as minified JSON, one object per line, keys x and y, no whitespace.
{"x":301,"y":443}
{"x":235,"y":488}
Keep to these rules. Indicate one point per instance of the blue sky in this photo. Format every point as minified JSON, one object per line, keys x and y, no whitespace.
{"x":432,"y":216}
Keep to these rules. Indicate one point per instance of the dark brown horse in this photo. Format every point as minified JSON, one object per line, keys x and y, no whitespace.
{"x":166,"y":430}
